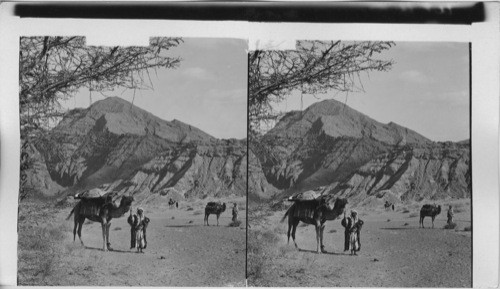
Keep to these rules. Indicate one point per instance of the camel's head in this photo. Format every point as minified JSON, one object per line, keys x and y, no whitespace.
{"x":439,"y":209}
{"x":340,"y":204}
{"x":126,"y":202}
{"x":223,"y":207}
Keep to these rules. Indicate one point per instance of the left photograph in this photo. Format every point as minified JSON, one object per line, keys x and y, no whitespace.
{"x":133,"y":168}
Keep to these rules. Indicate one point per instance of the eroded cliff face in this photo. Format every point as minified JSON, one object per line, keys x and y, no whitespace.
{"x":332,"y":146}
{"x":120,"y":147}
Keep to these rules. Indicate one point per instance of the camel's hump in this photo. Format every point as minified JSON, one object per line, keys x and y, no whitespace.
{"x":91,"y":194}
{"x":304,"y":196}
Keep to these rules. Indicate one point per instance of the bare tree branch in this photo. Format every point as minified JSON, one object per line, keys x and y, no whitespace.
{"x":314,"y":67}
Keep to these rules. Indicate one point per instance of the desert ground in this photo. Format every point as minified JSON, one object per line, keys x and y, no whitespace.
{"x":181,"y":251}
{"x":395,"y":252}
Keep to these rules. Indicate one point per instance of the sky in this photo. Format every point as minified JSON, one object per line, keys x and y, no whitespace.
{"x":427,"y":90}
{"x":208,"y":90}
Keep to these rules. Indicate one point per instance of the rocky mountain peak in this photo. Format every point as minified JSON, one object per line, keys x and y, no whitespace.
{"x":119,"y":147}
{"x":333,"y":146}
{"x":120,"y":117}
{"x":336,"y":119}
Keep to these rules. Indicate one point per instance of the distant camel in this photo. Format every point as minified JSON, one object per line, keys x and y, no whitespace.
{"x":100,"y":210}
{"x":214,"y":208}
{"x":388,"y":205}
{"x":429,"y":210}
{"x":315,"y":212}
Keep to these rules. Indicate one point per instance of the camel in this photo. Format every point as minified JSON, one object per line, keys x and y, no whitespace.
{"x":214,"y":208}
{"x":315,"y":212}
{"x":100,"y":210}
{"x":429,"y":210}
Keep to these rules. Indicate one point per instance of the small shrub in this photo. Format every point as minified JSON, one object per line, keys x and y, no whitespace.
{"x":173,"y":218}
{"x":117,"y":229}
{"x":189,"y":209}
{"x":388,"y":220}
{"x":405,"y":224}
{"x":413,"y":215}
{"x":285,"y":250}
{"x":333,"y":231}
{"x":197,"y":213}
{"x":450,"y":226}
{"x":280,"y":230}
{"x":46,"y":266}
{"x":468,"y":229}
{"x":236,"y":223}
{"x":405,"y":211}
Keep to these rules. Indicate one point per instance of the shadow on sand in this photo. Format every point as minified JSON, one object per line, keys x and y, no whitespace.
{"x":110,"y":250}
{"x":400,"y":228}
{"x":181,"y":226}
{"x":328,"y":253}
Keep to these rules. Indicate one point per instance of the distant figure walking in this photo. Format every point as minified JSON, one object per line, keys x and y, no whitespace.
{"x":138,"y":225}
{"x":172,"y":203}
{"x":235,"y":213}
{"x":352,"y":225}
{"x":450,"y":216}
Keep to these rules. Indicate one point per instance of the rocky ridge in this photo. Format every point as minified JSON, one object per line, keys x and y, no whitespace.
{"x":344,"y":152}
{"x":120,"y":147}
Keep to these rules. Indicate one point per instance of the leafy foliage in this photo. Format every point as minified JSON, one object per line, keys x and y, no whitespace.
{"x":314,"y":67}
{"x":52,"y":69}
{"x":55,"y":68}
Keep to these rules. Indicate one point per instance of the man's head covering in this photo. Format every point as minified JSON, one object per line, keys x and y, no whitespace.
{"x":354,"y":213}
{"x":140,"y":209}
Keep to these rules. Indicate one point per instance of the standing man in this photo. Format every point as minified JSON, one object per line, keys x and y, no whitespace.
{"x":352,"y":233}
{"x":235,"y":212}
{"x":347,"y":224}
{"x":450,"y":215}
{"x":138,"y":224}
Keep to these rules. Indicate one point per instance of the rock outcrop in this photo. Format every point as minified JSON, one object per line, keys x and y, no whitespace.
{"x":332,"y":146}
{"x":120,"y":147}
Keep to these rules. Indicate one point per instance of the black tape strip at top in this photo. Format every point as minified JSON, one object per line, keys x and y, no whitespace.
{"x":312,"y":12}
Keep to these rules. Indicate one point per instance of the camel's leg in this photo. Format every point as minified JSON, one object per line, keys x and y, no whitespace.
{"x":74,"y":228}
{"x":217,"y":220}
{"x":433,"y":222}
{"x":322,"y":229}
{"x":206,"y":218}
{"x":294,"y":228}
{"x":80,"y":226}
{"x":104,"y":241}
{"x":108,"y":243}
{"x":289,"y":229}
{"x":316,"y":227}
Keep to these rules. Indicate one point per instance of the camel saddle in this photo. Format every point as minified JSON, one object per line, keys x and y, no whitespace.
{"x":306,"y":208}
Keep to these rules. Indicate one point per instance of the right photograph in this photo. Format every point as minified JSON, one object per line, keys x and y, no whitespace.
{"x":359,"y":165}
